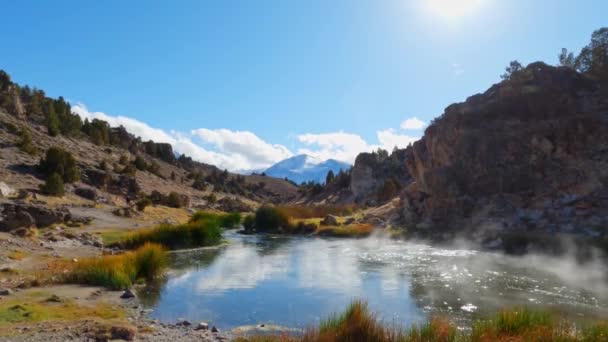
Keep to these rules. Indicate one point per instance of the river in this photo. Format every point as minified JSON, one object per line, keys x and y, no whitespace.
{"x":296,"y":281}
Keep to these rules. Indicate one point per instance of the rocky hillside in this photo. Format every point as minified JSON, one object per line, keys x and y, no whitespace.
{"x":528,"y":155}
{"x":114,"y":165}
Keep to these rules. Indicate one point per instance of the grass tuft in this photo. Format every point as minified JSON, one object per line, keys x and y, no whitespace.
{"x":350,"y":230}
{"x":229,"y":220}
{"x":204,"y":232}
{"x":118,"y":272}
{"x":356,"y":323}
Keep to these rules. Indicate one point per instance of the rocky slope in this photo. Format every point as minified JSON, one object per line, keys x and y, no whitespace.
{"x":101,"y":156}
{"x":528,"y":155}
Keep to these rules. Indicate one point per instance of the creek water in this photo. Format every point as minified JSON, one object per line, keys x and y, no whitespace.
{"x":296,"y":281}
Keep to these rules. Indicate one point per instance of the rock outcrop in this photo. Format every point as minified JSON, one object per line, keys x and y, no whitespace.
{"x":22,"y":215}
{"x":530,"y":154}
{"x":373,"y":170}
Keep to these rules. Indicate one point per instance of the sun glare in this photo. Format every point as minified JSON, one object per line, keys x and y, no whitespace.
{"x":453,"y":8}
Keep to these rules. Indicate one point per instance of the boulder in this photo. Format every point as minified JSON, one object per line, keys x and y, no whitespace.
{"x":87,"y":193}
{"x":330,"y":220}
{"x":125,"y":333}
{"x":350,"y":220}
{"x":127,"y":294}
{"x":23,"y":215}
{"x":183,"y":323}
{"x":6,"y":191}
{"x":202,"y":326}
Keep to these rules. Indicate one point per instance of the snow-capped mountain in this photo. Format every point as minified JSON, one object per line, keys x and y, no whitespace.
{"x":303,"y":168}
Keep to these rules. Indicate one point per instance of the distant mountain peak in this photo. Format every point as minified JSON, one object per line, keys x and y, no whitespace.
{"x":303,"y":168}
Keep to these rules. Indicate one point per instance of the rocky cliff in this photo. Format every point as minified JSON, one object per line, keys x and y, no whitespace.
{"x":530,"y":154}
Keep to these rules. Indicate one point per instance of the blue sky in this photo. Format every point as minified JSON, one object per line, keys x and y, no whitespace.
{"x":242,"y":84}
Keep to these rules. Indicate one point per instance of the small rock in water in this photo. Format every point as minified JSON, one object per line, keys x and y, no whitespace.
{"x":214,"y":329}
{"x":127,"y":294}
{"x":184,"y":323}
{"x":202,"y":326}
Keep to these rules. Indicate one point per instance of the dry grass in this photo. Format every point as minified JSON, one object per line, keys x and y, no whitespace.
{"x":159,"y":213}
{"x":17,"y":255}
{"x":119,"y":272}
{"x":308,"y":212}
{"x":37,"y":308}
{"x":357,"y":324}
{"x":351,"y":230}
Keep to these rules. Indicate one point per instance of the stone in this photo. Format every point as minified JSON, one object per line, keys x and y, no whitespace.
{"x":6,"y":191}
{"x":330,"y":220}
{"x":88,"y":193}
{"x":202,"y":326}
{"x":183,"y":323}
{"x":125,"y":333}
{"x":127,"y":294}
{"x":350,"y":220}
{"x":5,"y":292}
{"x":20,"y":215}
{"x":214,"y":329}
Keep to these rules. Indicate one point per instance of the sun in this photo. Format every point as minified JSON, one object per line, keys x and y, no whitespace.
{"x":453,"y":8}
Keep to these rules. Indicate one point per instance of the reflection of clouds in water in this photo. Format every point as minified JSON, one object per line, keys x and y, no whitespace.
{"x":241,"y":268}
{"x":390,"y":274}
{"x":327,"y":265}
{"x":182,"y":278}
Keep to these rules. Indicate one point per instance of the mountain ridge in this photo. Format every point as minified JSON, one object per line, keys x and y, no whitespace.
{"x":303,"y":168}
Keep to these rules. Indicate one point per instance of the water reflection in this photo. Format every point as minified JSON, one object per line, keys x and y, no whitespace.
{"x":295,"y":281}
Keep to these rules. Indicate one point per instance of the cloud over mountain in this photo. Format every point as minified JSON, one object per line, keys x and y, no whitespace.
{"x":244,"y":150}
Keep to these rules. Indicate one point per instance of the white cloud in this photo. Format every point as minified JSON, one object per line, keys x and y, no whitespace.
{"x":232,"y":150}
{"x":246,"y":145}
{"x":413,"y":124}
{"x":337,"y":145}
{"x":457,"y":69}
{"x":244,"y":150}
{"x":389,"y":139}
{"x":346,"y":146}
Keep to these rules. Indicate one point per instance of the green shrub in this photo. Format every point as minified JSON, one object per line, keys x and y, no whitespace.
{"x":230,"y":220}
{"x":140,"y":163}
{"x":53,"y":185}
{"x":60,"y":162}
{"x":25,"y":142}
{"x":270,"y":219}
{"x":249,"y":223}
{"x":174,"y":200}
{"x":143,"y":203}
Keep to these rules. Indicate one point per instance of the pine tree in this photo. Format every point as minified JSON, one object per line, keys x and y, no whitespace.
{"x":53,"y":185}
{"x":52,"y":121}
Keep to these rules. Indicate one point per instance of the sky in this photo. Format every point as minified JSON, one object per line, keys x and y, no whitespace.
{"x":244,"y":84}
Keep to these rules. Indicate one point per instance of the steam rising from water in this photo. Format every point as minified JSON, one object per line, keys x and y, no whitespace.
{"x":295,"y":281}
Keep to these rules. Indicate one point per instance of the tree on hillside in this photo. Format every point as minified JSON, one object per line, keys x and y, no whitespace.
{"x":5,"y":81}
{"x":567,"y":59}
{"x":593,"y":58}
{"x":53,"y":185}
{"x":52,"y":121}
{"x":330,"y":177}
{"x":60,"y":162}
{"x":513,"y":69}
